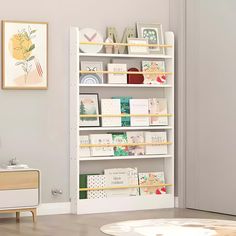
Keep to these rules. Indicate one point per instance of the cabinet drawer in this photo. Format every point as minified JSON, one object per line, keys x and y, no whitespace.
{"x":19,"y":180}
{"x":19,"y":198}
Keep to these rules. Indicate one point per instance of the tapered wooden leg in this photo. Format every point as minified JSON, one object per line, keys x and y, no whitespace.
{"x":17,"y":216}
{"x":34,"y":214}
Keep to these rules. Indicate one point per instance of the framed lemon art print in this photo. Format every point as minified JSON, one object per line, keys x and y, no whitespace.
{"x":24,"y":55}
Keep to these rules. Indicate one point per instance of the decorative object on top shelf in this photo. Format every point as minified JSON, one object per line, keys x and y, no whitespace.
{"x":129,"y":32}
{"x":158,"y":106}
{"x":117,"y":78}
{"x":135,"y":78}
{"x":152,"y":67}
{"x":154,"y":34}
{"x":152,"y":178}
{"x":91,"y":78}
{"x":89,"y":106}
{"x":24,"y":59}
{"x":138,"y":50}
{"x":90,"y":35}
{"x":109,"y":48}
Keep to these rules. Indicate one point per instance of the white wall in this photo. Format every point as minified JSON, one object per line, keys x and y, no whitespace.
{"x":34,"y":125}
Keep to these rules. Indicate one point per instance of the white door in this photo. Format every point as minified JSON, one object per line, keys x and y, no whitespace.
{"x":211,"y":105}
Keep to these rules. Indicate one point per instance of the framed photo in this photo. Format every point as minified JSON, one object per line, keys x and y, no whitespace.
{"x":91,"y":78}
{"x":154,"y":34}
{"x":24,"y":55}
{"x":138,"y":49}
{"x":88,"y":105}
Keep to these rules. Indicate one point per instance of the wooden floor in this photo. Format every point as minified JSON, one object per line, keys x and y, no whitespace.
{"x":89,"y":225}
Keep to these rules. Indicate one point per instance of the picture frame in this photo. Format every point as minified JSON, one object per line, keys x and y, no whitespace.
{"x":138,"y":49}
{"x":154,"y":34}
{"x":89,"y":105}
{"x":24,"y":55}
{"x":91,"y":78}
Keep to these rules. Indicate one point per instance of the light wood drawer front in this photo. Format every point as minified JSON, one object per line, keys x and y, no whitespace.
{"x":19,"y":198}
{"x":19,"y":180}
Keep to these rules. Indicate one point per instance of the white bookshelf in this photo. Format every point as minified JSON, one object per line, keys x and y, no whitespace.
{"x":145,"y":163}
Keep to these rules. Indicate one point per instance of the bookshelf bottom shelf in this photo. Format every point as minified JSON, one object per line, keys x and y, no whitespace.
{"x":117,"y":204}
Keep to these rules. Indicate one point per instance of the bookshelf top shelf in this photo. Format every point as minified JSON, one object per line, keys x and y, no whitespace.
{"x":154,"y":56}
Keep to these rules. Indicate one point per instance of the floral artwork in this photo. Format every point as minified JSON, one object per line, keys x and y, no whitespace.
{"x":152,"y":178}
{"x":24,"y":55}
{"x":154,"y":34}
{"x":154,"y":66}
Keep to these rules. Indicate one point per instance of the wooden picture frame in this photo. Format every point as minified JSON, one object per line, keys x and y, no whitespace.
{"x":24,"y":55}
{"x":154,"y":34}
{"x":92,"y":100}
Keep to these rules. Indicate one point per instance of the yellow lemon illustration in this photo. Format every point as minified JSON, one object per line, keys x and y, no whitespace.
{"x":19,"y":46}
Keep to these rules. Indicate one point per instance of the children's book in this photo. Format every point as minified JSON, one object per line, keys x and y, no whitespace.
{"x":84,"y":151}
{"x":158,"y":106}
{"x":152,"y":178}
{"x":120,"y":138}
{"x":155,"y":137}
{"x":139,"y":107}
{"x":125,"y":109}
{"x":96,"y":181}
{"x":135,"y":137}
{"x":101,"y":139}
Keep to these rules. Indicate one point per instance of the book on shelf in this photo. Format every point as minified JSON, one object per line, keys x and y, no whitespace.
{"x":120,"y":138}
{"x":119,"y":177}
{"x":111,"y":107}
{"x":125,"y":109}
{"x":96,"y":181}
{"x":155,"y":137}
{"x":152,"y":178}
{"x":117,"y":78}
{"x":158,"y":106}
{"x":101,"y":139}
{"x":83,"y":184}
{"x":139,"y":107}
{"x":154,"y":66}
{"x":135,"y":137}
{"x":84,"y":151}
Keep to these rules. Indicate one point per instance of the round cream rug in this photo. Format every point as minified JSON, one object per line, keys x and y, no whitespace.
{"x":172,"y":227}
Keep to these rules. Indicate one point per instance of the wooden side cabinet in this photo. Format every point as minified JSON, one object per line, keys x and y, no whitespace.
{"x":19,"y":191}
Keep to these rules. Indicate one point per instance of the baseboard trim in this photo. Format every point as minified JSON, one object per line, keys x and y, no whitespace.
{"x":57,"y":208}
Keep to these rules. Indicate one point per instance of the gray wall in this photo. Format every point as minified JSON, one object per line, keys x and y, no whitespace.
{"x":34,"y":125}
{"x":211,"y":113}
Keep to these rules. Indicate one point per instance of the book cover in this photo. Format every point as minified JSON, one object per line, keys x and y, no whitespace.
{"x":96,"y":181}
{"x":154,"y":66}
{"x":84,"y":151}
{"x":117,"y":78}
{"x":152,"y":178}
{"x":125,"y":109}
{"x":111,"y":107}
{"x":83,"y":184}
{"x":158,"y":106}
{"x":155,"y":137}
{"x":135,"y":137}
{"x":133,"y":180}
{"x":120,"y":138}
{"x":116,"y":178}
{"x":139,"y":107}
{"x":101,"y":139}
